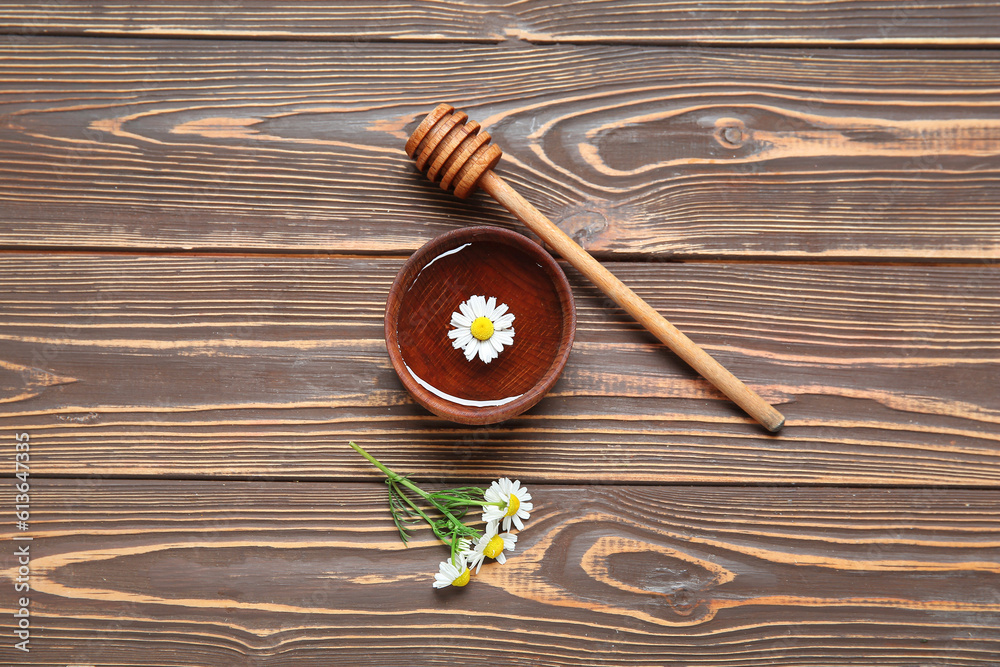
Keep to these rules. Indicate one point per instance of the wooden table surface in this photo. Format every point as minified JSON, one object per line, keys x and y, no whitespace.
{"x":202,"y":208}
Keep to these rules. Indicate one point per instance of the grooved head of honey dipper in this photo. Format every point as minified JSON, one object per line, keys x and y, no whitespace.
{"x":452,"y":151}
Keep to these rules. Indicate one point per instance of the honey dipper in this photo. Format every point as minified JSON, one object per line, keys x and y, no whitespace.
{"x":456,"y":154}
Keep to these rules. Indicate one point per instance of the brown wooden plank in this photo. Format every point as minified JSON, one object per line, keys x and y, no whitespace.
{"x":127,"y":572}
{"x":810,"y":22}
{"x":677,"y":153}
{"x":921,"y":22}
{"x":267,"y":366}
{"x":371,"y":21}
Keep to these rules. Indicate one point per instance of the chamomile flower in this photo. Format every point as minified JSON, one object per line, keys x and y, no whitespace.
{"x":504,"y":502}
{"x":516,"y":507}
{"x":491,"y":544}
{"x":482,"y":328}
{"x":452,"y":573}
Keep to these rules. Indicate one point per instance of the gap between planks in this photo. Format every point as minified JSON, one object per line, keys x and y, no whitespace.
{"x":264,"y":255}
{"x":583,"y":481}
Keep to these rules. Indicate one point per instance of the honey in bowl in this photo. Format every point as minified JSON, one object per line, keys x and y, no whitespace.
{"x":487,"y":262}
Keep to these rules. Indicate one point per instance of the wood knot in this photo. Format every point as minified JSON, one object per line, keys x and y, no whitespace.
{"x":451,"y":151}
{"x":731,"y":132}
{"x":634,"y":566}
{"x":583,"y":225}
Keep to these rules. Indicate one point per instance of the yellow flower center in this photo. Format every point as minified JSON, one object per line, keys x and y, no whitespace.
{"x":494,"y":547}
{"x":462,"y":579}
{"x":513,"y":505}
{"x":482,"y":328}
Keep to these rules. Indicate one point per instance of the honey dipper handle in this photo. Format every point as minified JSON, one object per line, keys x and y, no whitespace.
{"x":684,"y":347}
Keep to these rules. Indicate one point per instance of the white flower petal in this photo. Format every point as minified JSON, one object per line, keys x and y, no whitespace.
{"x":478,"y":304}
{"x":492,"y":513}
{"x":460,"y":320}
{"x":491,"y":304}
{"x":471,"y":349}
{"x":466,"y":309}
{"x":495,"y":344}
{"x":503,"y":338}
{"x":460,"y":343}
{"x":498,"y":312}
{"x":503,"y":322}
{"x":477,"y":560}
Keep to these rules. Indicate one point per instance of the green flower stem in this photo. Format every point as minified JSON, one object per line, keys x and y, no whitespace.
{"x":444,"y":538}
{"x":395,"y":478}
{"x":475,"y":503}
{"x":375,"y":462}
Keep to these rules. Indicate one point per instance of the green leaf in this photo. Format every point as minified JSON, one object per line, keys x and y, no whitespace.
{"x":402,"y":514}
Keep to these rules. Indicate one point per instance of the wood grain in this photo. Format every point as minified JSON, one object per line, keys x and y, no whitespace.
{"x":948,"y":23}
{"x":697,"y":153}
{"x":139,"y":572}
{"x":197,"y":238}
{"x":266,"y":366}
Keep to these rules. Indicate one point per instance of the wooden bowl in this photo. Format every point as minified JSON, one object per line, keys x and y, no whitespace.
{"x":485,"y":261}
